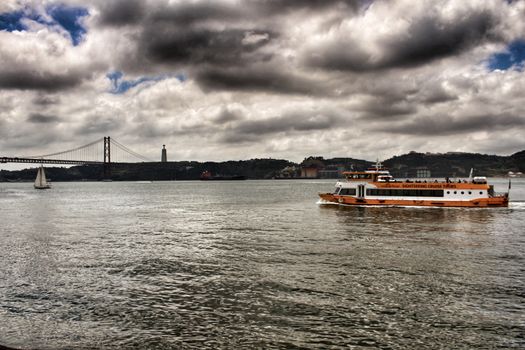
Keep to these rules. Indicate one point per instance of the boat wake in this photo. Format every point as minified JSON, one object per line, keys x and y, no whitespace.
{"x":323,"y":202}
{"x":518,"y":205}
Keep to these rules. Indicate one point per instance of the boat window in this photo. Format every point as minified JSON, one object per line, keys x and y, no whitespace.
{"x":448,"y":192}
{"x":435,"y":193}
{"x":347,"y":192}
{"x":480,"y":192}
{"x":469,"y":192}
{"x":462,"y":192}
{"x":405,"y":192}
{"x":455,"y":192}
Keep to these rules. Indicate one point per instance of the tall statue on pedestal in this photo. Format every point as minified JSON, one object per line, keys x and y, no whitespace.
{"x":164,"y":157}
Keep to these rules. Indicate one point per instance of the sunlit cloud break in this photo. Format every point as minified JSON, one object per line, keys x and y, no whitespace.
{"x":121,"y":86}
{"x":512,"y":57}
{"x":62,"y":17}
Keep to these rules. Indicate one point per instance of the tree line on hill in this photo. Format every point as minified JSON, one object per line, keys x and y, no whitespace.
{"x":438,"y":165}
{"x":456,"y":164}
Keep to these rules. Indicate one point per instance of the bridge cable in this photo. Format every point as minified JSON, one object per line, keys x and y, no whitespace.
{"x":129,"y":151}
{"x":68,"y":151}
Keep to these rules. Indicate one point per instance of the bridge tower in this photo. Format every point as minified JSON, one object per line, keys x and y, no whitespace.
{"x":107,"y":158}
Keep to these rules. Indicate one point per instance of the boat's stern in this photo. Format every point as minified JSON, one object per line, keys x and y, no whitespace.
{"x":498,"y":201}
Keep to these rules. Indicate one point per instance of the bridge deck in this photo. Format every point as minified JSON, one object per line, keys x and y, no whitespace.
{"x":45,"y":161}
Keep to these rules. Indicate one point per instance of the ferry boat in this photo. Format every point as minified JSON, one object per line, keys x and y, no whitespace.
{"x":376,"y":187}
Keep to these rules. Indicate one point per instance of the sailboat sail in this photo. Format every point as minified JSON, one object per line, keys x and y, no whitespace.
{"x":41,"y":181}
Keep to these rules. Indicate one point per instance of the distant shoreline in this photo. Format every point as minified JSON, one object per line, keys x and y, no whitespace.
{"x":410,"y":165}
{"x":198,"y":180}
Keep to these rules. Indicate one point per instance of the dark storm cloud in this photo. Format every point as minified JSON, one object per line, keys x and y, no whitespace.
{"x":151,"y":130}
{"x":45,"y":100}
{"x":122,"y":12}
{"x":226,"y":115}
{"x":186,"y":14}
{"x":125,"y":12}
{"x":181,"y":34}
{"x":98,"y":125}
{"x":449,"y":126}
{"x":431,"y":38}
{"x":38,"y":118}
{"x":426,"y":39}
{"x":261,"y":79}
{"x":199,"y":131}
{"x":192,"y":34}
{"x":169,"y":44}
{"x":187,"y":34}
{"x":389,"y":105}
{"x":280,"y":6}
{"x":437,"y":94}
{"x":34,"y":80}
{"x":388,"y":111}
{"x":29,"y":139}
{"x":232,"y":138}
{"x":292,"y":122}
{"x":286,"y":123}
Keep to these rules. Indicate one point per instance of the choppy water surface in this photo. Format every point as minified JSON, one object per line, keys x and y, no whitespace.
{"x":254,"y":264}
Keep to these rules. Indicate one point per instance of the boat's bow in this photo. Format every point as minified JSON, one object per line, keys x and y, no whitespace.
{"x":328,"y":197}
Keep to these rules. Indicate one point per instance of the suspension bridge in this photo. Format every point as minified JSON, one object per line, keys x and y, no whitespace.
{"x":103,"y":151}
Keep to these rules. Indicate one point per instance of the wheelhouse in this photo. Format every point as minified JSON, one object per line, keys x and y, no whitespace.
{"x":368,"y":176}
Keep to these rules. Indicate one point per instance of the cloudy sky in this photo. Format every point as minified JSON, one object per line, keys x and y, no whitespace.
{"x":241,"y":79}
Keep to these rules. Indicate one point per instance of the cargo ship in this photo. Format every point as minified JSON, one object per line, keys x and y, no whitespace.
{"x":376,"y":187}
{"x":208,"y":176}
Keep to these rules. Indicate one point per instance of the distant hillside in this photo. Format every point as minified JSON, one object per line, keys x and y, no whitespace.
{"x":350,"y":163}
{"x":455,"y":164}
{"x":519,"y":160}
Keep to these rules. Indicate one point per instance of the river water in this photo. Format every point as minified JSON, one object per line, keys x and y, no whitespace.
{"x":254,"y":264}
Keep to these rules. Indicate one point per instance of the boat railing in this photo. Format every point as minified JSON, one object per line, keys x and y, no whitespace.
{"x":498,"y":194}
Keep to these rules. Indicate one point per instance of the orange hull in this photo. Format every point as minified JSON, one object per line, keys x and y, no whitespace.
{"x":500,"y":201}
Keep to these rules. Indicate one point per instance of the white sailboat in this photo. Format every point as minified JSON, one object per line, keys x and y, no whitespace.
{"x":41,"y":181}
